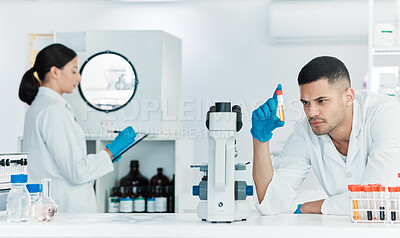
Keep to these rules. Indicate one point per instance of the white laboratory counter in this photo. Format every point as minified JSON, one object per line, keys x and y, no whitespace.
{"x":188,"y":225}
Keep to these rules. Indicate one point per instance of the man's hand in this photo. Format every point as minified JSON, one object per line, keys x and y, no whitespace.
{"x":313,"y":207}
{"x":264,"y":119}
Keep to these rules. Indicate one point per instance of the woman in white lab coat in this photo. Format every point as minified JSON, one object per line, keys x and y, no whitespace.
{"x":55,"y":142}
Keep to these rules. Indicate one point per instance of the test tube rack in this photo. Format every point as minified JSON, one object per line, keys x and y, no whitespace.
{"x":382,"y":207}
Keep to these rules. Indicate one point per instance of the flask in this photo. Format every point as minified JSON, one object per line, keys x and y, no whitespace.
{"x":159,"y":179}
{"x":113,"y":200}
{"x":139,"y":202}
{"x":151,"y":200}
{"x":44,"y":209}
{"x":18,"y":199}
{"x":126,"y":201}
{"x":134,"y":178}
{"x":34,"y":190}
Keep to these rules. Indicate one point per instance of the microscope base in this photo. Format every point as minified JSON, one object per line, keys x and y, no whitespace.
{"x":242,"y":212}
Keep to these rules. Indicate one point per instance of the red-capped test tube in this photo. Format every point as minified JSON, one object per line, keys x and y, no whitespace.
{"x":355,"y":195}
{"x":393,"y":202}
{"x":375,"y":208}
{"x":369,"y":205}
{"x":280,"y":113}
{"x":381,"y":202}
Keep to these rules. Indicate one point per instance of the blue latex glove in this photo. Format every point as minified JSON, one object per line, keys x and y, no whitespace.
{"x":264,"y":119}
{"x":124,"y":139}
{"x":298,"y":209}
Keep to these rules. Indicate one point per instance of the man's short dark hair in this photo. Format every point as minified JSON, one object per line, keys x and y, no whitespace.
{"x":322,"y":67}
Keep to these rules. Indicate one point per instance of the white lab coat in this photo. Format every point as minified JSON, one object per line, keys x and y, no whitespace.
{"x":57,"y":149}
{"x":373,"y":157}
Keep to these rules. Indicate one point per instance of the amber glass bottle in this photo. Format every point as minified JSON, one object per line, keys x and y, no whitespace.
{"x":134,"y":178}
{"x":159,"y":179}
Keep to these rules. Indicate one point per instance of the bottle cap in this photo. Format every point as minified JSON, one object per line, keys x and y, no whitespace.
{"x":351,"y":187}
{"x":392,"y":189}
{"x":375,"y":187}
{"x":34,"y":187}
{"x":159,"y":170}
{"x":19,"y":178}
{"x":279,"y":92}
{"x":134,"y":163}
{"x":382,"y":189}
{"x":367,"y":188}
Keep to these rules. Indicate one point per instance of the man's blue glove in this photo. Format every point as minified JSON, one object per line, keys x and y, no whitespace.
{"x":123,"y":140}
{"x":298,"y":209}
{"x":264,"y":119}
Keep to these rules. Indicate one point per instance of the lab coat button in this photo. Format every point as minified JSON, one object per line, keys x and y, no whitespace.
{"x":348,"y":175}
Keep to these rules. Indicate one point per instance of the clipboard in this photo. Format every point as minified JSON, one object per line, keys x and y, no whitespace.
{"x":138,"y":138}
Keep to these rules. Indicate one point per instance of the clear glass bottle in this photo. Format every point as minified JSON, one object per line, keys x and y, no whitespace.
{"x":44,"y":209}
{"x":18,"y":199}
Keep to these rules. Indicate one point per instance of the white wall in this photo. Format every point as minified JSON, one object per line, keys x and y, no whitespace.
{"x":226,"y":55}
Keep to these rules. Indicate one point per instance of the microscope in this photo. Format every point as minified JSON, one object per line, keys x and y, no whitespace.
{"x":222,"y":198}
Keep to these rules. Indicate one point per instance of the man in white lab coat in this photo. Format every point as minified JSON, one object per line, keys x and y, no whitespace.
{"x":347,"y":138}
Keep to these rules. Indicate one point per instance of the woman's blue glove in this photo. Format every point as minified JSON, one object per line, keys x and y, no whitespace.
{"x":123,"y":140}
{"x":264,"y":119}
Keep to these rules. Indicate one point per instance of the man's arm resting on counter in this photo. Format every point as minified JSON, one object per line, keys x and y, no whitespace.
{"x":262,"y":167}
{"x":313,"y":207}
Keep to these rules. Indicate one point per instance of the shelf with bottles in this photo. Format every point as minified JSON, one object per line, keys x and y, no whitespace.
{"x":174,"y":155}
{"x":136,"y":194}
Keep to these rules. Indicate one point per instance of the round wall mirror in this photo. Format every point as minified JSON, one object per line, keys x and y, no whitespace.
{"x":109,"y":81}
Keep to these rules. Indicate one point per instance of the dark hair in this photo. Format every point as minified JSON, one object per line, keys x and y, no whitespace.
{"x":327,"y":67}
{"x":56,"y":55}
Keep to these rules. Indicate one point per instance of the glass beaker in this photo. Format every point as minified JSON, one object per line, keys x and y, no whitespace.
{"x":44,"y":209}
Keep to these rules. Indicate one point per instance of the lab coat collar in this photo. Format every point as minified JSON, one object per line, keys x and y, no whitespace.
{"x":354,"y":144}
{"x":48,"y":92}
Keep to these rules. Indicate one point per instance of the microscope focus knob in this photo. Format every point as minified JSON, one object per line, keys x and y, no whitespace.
{"x":249,"y":190}
{"x":196,"y":190}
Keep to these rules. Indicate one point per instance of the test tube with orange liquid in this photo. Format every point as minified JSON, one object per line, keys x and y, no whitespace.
{"x":280,"y":113}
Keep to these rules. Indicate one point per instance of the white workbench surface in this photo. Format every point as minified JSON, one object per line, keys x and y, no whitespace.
{"x":188,"y":225}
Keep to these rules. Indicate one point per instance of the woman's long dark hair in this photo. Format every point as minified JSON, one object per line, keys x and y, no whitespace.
{"x":56,"y":55}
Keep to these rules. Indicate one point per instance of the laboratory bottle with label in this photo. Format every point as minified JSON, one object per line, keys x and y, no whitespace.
{"x":139,"y":201}
{"x":151,"y":200}
{"x":160,"y":199}
{"x":44,"y":209}
{"x":113,"y":200}
{"x":134,"y":178}
{"x":159,"y":179}
{"x":18,"y":199}
{"x":126,"y":201}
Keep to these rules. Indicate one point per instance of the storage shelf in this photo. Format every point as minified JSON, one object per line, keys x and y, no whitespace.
{"x":388,"y":51}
